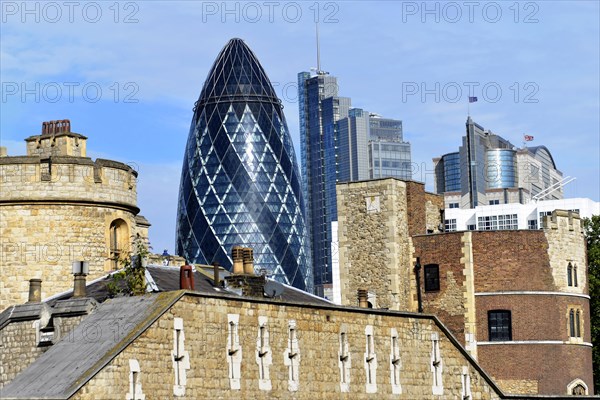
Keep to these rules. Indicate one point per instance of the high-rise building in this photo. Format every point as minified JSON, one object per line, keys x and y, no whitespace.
{"x":340,"y":144}
{"x":240,"y":182}
{"x":389,"y":154}
{"x":489,"y":169}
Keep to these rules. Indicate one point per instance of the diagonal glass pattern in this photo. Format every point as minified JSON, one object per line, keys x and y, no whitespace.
{"x":240,"y":182}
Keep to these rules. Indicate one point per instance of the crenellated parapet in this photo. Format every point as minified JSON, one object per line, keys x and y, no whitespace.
{"x":57,"y":206}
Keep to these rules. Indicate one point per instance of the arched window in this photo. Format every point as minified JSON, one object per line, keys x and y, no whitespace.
{"x":569,"y":274}
{"x":575,"y":275}
{"x":118,"y":240}
{"x":578,"y":324}
{"x":577,"y":387}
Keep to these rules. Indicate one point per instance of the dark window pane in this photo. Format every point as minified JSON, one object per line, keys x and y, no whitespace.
{"x":432,"y":277}
{"x":499,"y":325}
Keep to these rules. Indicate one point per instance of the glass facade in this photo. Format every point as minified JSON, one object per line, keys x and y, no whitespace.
{"x":240,"y":182}
{"x":389,"y":155}
{"x":451,"y":172}
{"x":319,"y":109}
{"x":501,"y":169}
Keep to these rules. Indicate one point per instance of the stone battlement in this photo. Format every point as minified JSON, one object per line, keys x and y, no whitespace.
{"x":56,"y":169}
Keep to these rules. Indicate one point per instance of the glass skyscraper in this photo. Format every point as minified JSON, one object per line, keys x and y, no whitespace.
{"x":240,"y":182}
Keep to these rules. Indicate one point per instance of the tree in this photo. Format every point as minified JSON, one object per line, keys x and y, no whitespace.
{"x":131,"y":279}
{"x":592,"y":235}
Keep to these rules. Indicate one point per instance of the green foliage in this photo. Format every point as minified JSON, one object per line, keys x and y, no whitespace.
{"x":592,"y":234}
{"x":131,"y":280}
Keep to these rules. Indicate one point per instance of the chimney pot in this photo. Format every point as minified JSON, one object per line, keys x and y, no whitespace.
{"x":363,"y":295}
{"x":35,"y":291}
{"x":186,"y":277}
{"x":237,"y":253}
{"x":248,"y":261}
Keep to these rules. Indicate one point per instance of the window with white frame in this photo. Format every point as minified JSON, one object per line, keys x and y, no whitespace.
{"x":345,"y":362}
{"x":135,"y":383}
{"x":234,"y":351}
{"x":263,"y":354}
{"x":497,"y":222}
{"x":450,"y":225}
{"x":395,"y":362}
{"x":437,"y":387}
{"x":370,"y":360}
{"x":532,"y":224}
{"x":181,"y":358}
{"x":292,"y":357}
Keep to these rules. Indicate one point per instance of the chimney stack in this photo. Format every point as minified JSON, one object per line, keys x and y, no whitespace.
{"x":35,"y":291}
{"x":248,"y":261}
{"x":186,"y":277}
{"x":216,"y":278}
{"x":363,"y":295}
{"x":237,"y":253}
{"x":79,"y":289}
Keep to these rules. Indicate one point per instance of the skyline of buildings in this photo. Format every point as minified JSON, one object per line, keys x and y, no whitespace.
{"x":240,"y":182}
{"x":340,"y":143}
{"x":488,"y":169}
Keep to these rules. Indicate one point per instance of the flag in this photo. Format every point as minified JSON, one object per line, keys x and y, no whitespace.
{"x":528,"y":138}
{"x":472,"y":99}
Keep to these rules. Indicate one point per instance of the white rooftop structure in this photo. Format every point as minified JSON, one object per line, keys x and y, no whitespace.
{"x":514,"y":215}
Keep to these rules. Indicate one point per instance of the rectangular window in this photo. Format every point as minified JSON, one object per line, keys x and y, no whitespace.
{"x":453,"y":205}
{"x":494,"y":202}
{"x":499,"y":326}
{"x":432,"y":277}
{"x":532,"y":224}
{"x":575,"y":323}
{"x":450,"y":225}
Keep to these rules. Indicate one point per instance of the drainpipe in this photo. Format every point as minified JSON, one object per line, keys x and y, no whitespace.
{"x":418,"y":277}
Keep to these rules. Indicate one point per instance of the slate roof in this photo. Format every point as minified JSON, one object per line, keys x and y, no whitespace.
{"x":166,"y":278}
{"x":69,"y":364}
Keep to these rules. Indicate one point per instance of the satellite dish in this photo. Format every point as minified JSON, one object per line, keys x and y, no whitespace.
{"x":273,"y":289}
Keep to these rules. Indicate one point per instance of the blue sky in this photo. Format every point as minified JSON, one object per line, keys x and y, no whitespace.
{"x":128,"y":73}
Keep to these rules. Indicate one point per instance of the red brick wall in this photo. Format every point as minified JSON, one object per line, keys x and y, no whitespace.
{"x":511,"y":260}
{"x":553,"y":366}
{"x":534,"y":317}
{"x":447,"y":303}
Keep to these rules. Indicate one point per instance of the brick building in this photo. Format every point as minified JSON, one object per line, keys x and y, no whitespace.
{"x":516,"y":299}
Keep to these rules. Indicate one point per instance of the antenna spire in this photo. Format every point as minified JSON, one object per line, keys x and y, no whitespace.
{"x":318,"y":50}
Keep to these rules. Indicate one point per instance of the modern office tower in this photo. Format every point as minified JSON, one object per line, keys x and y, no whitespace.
{"x":489,"y":169}
{"x":340,"y":144}
{"x":389,"y":154}
{"x":320,"y":108}
{"x":240,"y":183}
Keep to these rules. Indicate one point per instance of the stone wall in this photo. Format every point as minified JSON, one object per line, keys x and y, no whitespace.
{"x":41,"y":241}
{"x":566,"y":243}
{"x":205,"y":326}
{"x":59,"y":209}
{"x":374,"y":245}
{"x":19,"y":345}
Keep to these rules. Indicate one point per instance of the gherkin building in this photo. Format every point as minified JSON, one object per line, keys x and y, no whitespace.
{"x":239,"y":182}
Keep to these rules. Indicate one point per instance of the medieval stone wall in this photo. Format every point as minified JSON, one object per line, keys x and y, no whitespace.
{"x":59,"y":209}
{"x":317,"y":365}
{"x":374,"y":244}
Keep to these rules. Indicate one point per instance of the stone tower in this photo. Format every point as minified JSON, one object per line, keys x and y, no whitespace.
{"x":58,"y":206}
